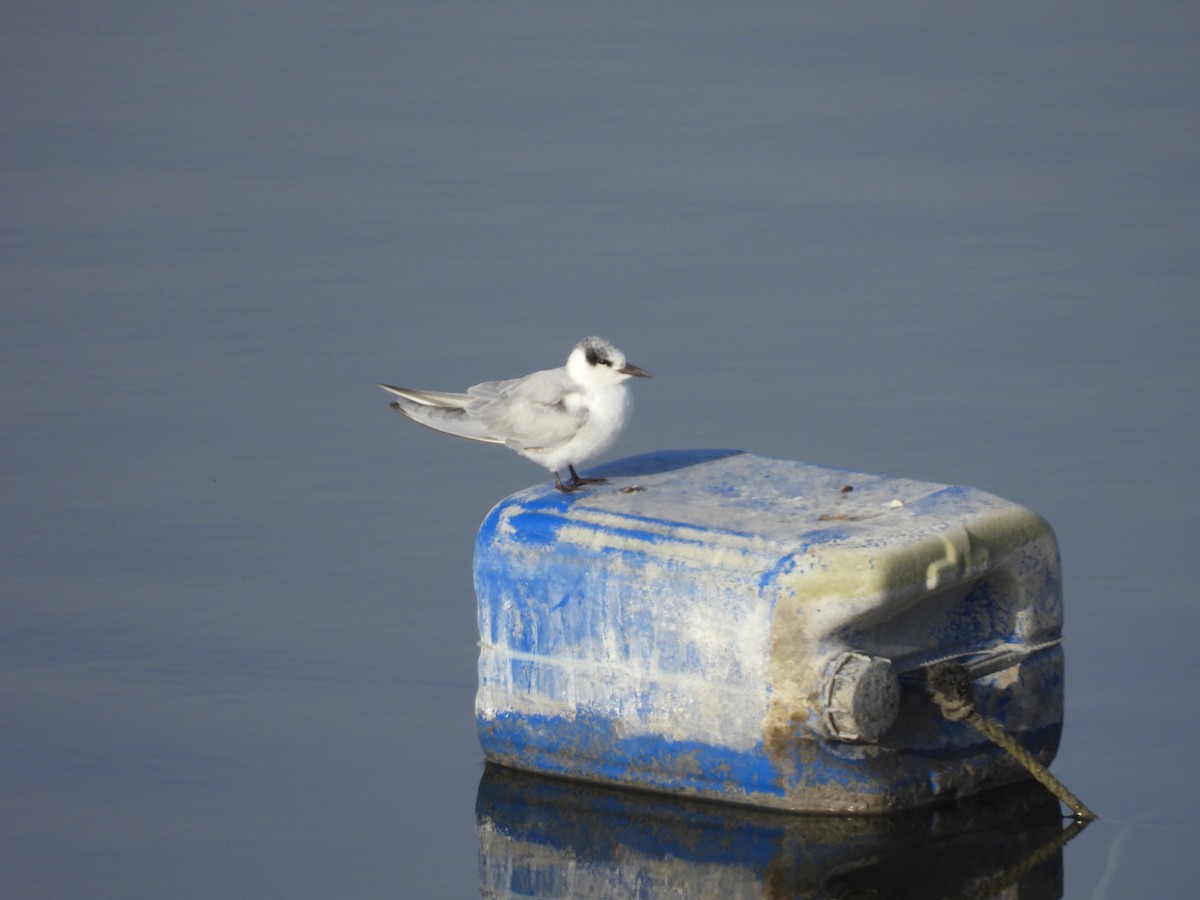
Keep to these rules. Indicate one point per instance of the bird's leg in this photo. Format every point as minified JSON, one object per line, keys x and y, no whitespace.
{"x":576,"y":481}
{"x":569,"y":488}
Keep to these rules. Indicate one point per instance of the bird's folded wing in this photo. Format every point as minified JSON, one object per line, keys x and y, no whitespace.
{"x":528,"y":413}
{"x":448,"y":420}
{"x":430,"y":398}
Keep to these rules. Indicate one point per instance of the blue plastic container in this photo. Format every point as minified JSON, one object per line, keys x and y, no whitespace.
{"x":721,"y":625}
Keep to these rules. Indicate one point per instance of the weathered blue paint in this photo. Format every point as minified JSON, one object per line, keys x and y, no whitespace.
{"x":682,"y":637}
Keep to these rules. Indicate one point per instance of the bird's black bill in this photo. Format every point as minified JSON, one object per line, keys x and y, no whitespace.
{"x":631,"y":369}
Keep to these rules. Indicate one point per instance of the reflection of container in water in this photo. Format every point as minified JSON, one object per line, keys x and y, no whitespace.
{"x":541,"y":837}
{"x":722,"y":625}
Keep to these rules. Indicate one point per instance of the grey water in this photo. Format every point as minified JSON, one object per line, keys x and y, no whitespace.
{"x":946,"y":241}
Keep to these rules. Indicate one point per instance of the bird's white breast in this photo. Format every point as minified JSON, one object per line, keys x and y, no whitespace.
{"x":608,"y":409}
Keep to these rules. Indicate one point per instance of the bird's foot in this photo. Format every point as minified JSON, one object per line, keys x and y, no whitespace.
{"x":576,"y":480}
{"x":569,"y":488}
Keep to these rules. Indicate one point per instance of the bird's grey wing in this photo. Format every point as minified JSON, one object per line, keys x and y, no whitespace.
{"x":430,"y":398}
{"x":448,"y":420}
{"x":441,"y":411}
{"x":538,"y":411}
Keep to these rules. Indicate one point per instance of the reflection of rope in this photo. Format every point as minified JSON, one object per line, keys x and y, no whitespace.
{"x":993,"y":886}
{"x":950,"y":686}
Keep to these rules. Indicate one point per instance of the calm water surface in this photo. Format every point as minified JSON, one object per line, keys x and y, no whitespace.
{"x":237,"y":648}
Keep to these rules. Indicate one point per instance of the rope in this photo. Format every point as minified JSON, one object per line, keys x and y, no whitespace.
{"x":950,"y":686}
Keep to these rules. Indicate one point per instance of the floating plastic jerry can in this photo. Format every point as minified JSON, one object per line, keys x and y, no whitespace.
{"x":720,"y":625}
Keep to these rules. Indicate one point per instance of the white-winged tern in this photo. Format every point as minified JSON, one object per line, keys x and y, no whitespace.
{"x":556,"y":417}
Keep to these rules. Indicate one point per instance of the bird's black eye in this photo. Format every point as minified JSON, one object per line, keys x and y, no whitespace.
{"x":595,"y":359}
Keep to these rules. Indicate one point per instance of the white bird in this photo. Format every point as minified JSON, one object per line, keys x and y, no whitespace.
{"x":556,"y":417}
